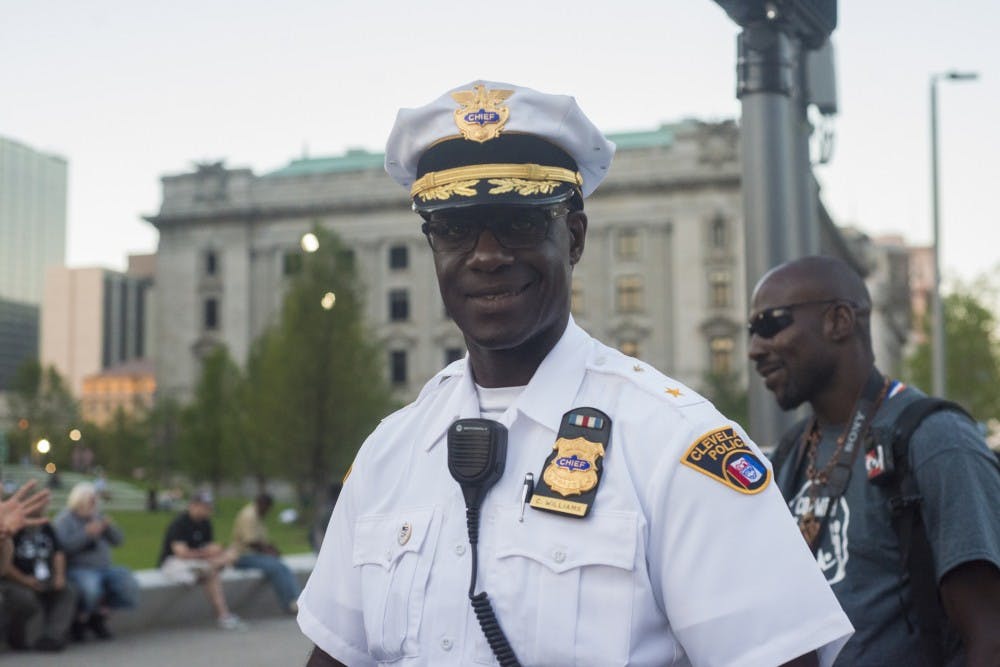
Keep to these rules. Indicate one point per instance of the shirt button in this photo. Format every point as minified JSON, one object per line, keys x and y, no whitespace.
{"x":388,"y":555}
{"x":460,"y":549}
{"x":559,"y":556}
{"x":446,"y":644}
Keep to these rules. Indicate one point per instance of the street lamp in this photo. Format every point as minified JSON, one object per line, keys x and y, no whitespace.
{"x":937,"y":323}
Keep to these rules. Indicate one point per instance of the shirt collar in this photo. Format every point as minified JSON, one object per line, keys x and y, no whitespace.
{"x":548,"y":396}
{"x":555,"y":385}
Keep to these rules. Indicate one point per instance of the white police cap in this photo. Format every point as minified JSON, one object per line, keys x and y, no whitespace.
{"x":495,"y":143}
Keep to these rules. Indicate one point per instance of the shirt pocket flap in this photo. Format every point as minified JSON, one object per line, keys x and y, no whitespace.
{"x":563,"y":543}
{"x":382,"y":539}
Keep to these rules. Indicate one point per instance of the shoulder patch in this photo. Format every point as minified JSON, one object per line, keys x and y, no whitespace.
{"x":722,"y":455}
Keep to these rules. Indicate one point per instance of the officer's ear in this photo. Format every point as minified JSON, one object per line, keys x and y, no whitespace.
{"x":576,"y":223}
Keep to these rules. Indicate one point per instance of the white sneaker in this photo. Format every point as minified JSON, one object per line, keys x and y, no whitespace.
{"x":232,"y":622}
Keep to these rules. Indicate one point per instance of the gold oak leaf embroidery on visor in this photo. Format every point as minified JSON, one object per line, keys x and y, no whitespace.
{"x":521,"y":186}
{"x":442,"y":192}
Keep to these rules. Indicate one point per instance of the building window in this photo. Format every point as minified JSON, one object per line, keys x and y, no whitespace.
{"x":629,"y":348}
{"x":576,"y":300}
{"x":721,"y":355}
{"x":211,"y":263}
{"x":453,"y":354}
{"x":719,"y":232}
{"x":291,"y":263}
{"x":399,"y":257}
{"x":628,"y":244}
{"x":397,"y":367}
{"x":211,"y":314}
{"x":399,"y":305}
{"x":629,"y":294}
{"x":720,"y":288}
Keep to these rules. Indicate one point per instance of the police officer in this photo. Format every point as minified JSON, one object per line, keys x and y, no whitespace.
{"x":652,"y":534}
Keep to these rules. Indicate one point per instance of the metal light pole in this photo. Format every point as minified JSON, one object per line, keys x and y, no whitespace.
{"x":937,"y":316}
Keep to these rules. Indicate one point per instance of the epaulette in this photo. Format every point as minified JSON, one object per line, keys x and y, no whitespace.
{"x":645,"y":377}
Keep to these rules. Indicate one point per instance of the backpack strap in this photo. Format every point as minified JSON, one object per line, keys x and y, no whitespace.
{"x":915,"y":552}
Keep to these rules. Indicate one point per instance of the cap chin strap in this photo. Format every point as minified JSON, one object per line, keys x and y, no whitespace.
{"x":470,"y":175}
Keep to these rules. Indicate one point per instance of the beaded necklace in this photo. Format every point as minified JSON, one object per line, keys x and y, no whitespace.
{"x":809,"y":524}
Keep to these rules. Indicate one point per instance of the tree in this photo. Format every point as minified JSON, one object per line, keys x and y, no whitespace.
{"x":725,"y":392}
{"x":210,"y":423}
{"x":121,"y":446}
{"x":41,"y":406}
{"x":972,"y":352}
{"x":164,"y":424}
{"x":316,"y":386}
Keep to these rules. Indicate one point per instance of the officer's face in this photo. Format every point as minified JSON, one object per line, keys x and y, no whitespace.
{"x":787,"y":341}
{"x":505,"y":298}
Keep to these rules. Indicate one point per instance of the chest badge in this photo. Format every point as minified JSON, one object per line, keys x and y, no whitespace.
{"x":405,"y":531}
{"x":572,"y":472}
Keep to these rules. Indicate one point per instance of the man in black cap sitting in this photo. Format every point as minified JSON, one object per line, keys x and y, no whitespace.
{"x":629,"y":523}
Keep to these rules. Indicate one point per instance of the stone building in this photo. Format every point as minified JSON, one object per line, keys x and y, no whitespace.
{"x":662,"y":277}
{"x":93,"y":319}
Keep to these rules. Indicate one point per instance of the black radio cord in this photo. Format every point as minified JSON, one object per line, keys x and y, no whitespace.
{"x":481,"y":602}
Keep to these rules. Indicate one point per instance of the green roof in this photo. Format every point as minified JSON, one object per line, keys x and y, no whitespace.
{"x":358,"y":159}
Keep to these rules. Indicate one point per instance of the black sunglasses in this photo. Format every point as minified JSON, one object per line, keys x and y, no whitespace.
{"x":514,"y":227}
{"x":770,"y":321}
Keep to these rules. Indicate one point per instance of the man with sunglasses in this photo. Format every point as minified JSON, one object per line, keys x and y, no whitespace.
{"x":810,"y":340}
{"x":632,"y":524}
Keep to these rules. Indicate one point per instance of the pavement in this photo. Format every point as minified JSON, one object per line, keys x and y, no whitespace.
{"x":268,"y":641}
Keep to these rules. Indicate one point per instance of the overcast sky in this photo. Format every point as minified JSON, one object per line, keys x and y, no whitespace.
{"x":128,"y":91}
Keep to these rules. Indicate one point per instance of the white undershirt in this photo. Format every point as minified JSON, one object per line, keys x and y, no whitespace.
{"x":494,"y":401}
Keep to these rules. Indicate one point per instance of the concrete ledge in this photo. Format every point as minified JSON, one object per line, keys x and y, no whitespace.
{"x":165,"y":603}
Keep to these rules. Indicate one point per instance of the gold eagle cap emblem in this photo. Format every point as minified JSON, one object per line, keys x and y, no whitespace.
{"x":482,"y":115}
{"x":573,"y":471}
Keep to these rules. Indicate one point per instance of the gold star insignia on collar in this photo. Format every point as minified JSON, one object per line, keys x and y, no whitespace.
{"x":638,"y":369}
{"x":675,"y":392}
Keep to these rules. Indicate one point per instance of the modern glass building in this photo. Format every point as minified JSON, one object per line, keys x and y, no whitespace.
{"x":32,"y":219}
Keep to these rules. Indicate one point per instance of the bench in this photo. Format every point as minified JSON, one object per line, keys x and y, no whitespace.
{"x":166,"y":603}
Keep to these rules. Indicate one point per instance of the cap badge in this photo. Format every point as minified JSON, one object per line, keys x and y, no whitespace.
{"x":481,"y":116}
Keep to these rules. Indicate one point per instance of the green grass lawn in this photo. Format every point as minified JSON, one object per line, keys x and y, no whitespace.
{"x":144,"y":532}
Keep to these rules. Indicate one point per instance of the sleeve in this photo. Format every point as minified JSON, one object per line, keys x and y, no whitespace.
{"x":243,"y":529}
{"x":57,"y":544}
{"x":113,"y":534}
{"x":330,"y":606}
{"x":737,"y":582}
{"x":71,"y":535}
{"x":174,"y":534}
{"x":958,"y":477}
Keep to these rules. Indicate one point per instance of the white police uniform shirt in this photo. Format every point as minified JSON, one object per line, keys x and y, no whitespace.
{"x":669,"y":568}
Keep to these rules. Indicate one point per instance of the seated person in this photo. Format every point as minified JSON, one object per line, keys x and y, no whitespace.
{"x":40,"y":605}
{"x":254,"y":551}
{"x":190,"y":555}
{"x":16,"y":512}
{"x":87,"y":536}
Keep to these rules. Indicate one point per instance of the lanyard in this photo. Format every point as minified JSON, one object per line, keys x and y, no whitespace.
{"x":836,"y":474}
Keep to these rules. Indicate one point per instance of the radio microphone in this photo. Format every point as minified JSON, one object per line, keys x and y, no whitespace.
{"x":477,"y":454}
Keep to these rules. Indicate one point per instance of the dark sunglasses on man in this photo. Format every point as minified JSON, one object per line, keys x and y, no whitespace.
{"x":769,"y":322}
{"x":514,"y":227}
